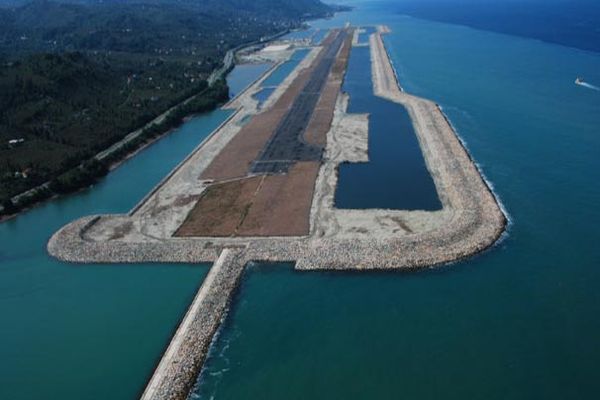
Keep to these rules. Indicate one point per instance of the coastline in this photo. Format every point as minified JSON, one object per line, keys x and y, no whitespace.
{"x":229,"y":63}
{"x":470,"y":222}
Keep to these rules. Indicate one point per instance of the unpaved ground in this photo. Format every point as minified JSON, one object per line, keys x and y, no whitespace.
{"x":277,"y":205}
{"x":221,"y":209}
{"x":235,"y":159}
{"x":159,"y":214}
{"x":320,"y":123}
{"x":469,"y":222}
{"x":266,"y":205}
{"x":282,"y":205}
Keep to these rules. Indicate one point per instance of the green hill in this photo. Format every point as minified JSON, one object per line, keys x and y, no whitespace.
{"x":76,"y":77}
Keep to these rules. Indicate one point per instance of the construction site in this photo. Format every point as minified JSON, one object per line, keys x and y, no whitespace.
{"x":262,"y":187}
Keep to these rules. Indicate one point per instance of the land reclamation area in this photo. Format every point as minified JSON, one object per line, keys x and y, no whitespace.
{"x":281,"y":148}
{"x":262,"y":187}
{"x":217,"y":198}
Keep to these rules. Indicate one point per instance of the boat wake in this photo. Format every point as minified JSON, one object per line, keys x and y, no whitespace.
{"x":589,"y":86}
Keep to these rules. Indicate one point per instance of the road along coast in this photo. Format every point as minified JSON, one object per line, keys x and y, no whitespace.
{"x":333,"y":239}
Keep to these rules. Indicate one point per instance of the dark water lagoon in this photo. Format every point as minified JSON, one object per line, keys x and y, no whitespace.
{"x":520,"y":321}
{"x":363,"y":37}
{"x":396,"y":176}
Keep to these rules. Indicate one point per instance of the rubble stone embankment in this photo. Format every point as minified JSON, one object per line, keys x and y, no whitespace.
{"x":178,"y":369}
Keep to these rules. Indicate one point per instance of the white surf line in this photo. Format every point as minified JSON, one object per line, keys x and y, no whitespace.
{"x":587,"y":85}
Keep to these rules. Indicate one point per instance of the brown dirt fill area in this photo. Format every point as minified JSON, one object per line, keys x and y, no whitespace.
{"x":235,"y":159}
{"x":282,"y":205}
{"x":267,"y":205}
{"x":221,"y":209}
{"x":320,"y":122}
{"x":270,"y":205}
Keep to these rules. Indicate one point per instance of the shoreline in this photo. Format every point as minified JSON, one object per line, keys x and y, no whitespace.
{"x":229,"y":58}
{"x":470,"y":222}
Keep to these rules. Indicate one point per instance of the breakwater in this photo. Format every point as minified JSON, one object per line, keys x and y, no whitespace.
{"x":179,"y":366}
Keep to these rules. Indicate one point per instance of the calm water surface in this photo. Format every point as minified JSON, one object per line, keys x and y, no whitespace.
{"x":396,"y":176}
{"x":72,"y":331}
{"x":363,"y":37}
{"x":263,"y":95}
{"x":279,"y":75}
{"x":522,"y":320}
{"x":244,"y":74}
{"x":298,"y":35}
{"x":319,"y":36}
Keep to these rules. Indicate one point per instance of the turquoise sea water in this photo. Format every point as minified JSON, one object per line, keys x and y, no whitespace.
{"x":520,"y":321}
{"x":70,"y":331}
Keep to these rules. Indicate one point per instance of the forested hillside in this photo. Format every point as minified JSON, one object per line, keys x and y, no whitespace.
{"x":77,"y":76}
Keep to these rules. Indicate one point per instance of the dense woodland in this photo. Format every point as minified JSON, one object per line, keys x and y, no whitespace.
{"x":77,"y":76}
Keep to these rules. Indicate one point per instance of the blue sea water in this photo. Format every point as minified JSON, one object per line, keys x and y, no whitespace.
{"x":72,"y":331}
{"x":572,"y":23}
{"x":299,"y":35}
{"x":520,"y":321}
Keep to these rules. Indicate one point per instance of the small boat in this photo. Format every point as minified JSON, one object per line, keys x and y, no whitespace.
{"x":579,"y":81}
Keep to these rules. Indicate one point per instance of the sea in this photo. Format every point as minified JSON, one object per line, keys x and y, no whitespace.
{"x":520,"y":321}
